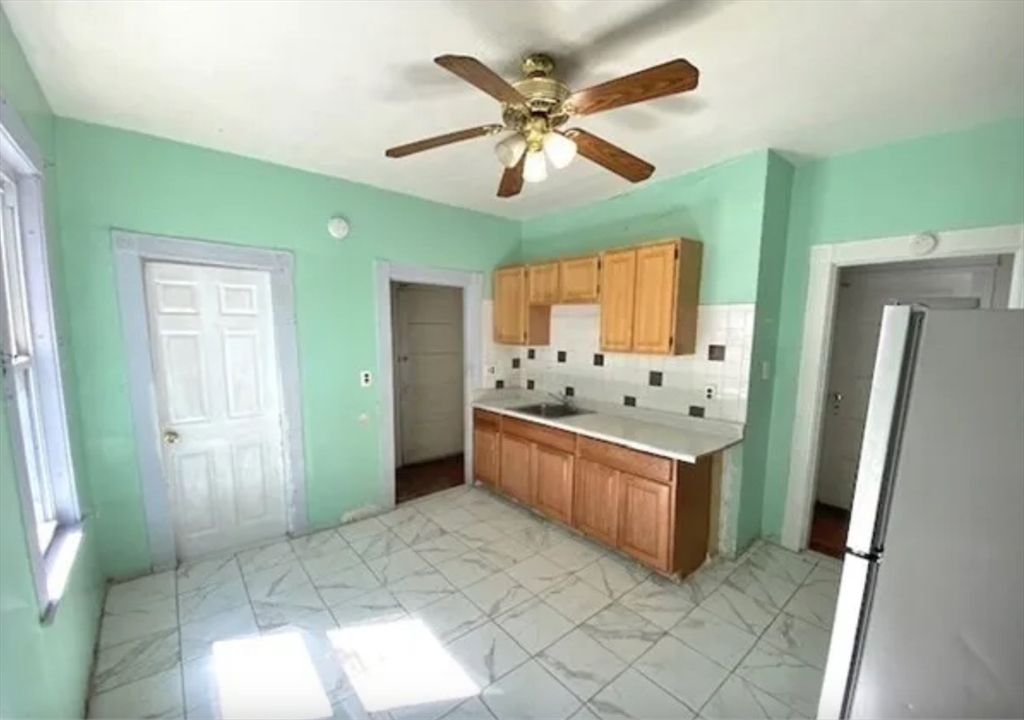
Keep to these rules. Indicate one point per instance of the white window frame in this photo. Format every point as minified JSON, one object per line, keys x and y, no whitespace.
{"x":52,"y":550}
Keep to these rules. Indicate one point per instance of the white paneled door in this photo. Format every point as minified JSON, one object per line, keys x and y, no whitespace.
{"x":219,"y":404}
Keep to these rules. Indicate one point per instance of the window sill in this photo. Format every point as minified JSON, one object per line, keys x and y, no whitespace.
{"x":58,"y":565}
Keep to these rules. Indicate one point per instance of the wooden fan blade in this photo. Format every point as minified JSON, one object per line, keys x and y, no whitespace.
{"x":479,"y":75}
{"x":439,"y":140}
{"x":675,"y":76}
{"x":512,"y":179}
{"x":610,"y":157}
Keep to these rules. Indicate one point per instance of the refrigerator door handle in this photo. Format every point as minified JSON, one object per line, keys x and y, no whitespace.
{"x":852,"y":608}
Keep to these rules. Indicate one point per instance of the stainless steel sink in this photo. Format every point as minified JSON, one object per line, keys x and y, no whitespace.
{"x":550,"y":410}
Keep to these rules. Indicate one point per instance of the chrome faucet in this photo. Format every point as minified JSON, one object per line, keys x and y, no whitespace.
{"x":562,"y":399}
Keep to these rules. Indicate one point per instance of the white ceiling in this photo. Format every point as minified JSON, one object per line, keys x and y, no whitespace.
{"x":327,"y":86}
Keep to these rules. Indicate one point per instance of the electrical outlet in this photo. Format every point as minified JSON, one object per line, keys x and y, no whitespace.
{"x":710,"y":391}
{"x":365,"y":378}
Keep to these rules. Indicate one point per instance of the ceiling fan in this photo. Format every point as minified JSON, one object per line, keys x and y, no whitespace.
{"x":535,"y":107}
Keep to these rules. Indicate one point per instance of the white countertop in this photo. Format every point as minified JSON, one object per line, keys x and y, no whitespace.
{"x":680,"y":438}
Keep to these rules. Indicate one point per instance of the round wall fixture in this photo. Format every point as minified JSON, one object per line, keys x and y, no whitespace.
{"x":337,"y":226}
{"x":923,"y":244}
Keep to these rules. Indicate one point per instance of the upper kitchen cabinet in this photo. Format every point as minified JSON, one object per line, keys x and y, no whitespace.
{"x":618,"y":291}
{"x":516,"y":321}
{"x":542,"y":283}
{"x":579,"y":279}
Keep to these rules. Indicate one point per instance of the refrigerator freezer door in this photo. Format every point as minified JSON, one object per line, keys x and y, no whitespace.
{"x":945,"y":629}
{"x":854,"y":586}
{"x":895,"y":340}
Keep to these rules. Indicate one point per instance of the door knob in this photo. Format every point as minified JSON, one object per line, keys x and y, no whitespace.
{"x":171,"y":437}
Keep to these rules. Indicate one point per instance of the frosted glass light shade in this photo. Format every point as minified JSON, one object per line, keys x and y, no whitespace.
{"x":535,"y":169}
{"x":559,"y":149}
{"x":510,"y":150}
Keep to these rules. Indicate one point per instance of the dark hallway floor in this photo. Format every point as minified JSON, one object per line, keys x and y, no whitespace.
{"x":828,"y":529}
{"x":413,"y":481}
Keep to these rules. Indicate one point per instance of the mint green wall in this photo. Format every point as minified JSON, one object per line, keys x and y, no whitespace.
{"x":721,"y":205}
{"x":44,"y":671}
{"x":970,"y":178}
{"x":116,"y":179}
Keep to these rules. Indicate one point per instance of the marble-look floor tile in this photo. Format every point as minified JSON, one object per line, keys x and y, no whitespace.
{"x":537,"y":573}
{"x":765,"y":587}
{"x":379,"y":545}
{"x":156,"y":696}
{"x":613,"y":576}
{"x":584,"y":713}
{"x":394,"y":567}
{"x":399,"y":515}
{"x":299,"y":607}
{"x":479,"y":534}
{"x":575,"y":599}
{"x":128,"y":622}
{"x":376,"y":606}
{"x":487,"y":653}
{"x":444,"y":547}
{"x":573,"y":553}
{"x":534,"y":625}
{"x":417,"y":529}
{"x":472,"y":709}
{"x":338,"y":588}
{"x":784,"y":677}
{"x":530,"y":693}
{"x":823,"y":581}
{"x":261,"y":558}
{"x":454,"y":518}
{"x":781,"y":562}
{"x":662,"y":602}
{"x":708,"y":634}
{"x":505,"y":552}
{"x":361,"y":528}
{"x":200,"y":687}
{"x":466,"y":569}
{"x":682,"y":671}
{"x":323,"y":569}
{"x":451,"y":617}
{"x":631,"y":695}
{"x":799,"y":638}
{"x":497,"y":594}
{"x":420,"y":589}
{"x":140,"y":593}
{"x":318,"y":544}
{"x":133,"y":660}
{"x":209,"y":600}
{"x":737,"y":699}
{"x":623,"y":631}
{"x":740,"y":609}
{"x":581,"y":664}
{"x":539,"y":537}
{"x":809,"y":604}
{"x":269,"y":583}
{"x":205,"y":573}
{"x":197,"y":638}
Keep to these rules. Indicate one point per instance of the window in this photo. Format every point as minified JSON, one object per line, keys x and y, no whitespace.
{"x":31,"y":379}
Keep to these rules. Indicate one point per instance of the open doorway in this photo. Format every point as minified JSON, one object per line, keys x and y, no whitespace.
{"x":961,"y":283}
{"x":428,"y":393}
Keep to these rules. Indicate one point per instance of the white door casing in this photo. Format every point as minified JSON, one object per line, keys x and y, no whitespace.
{"x":218,"y":402}
{"x":429,"y":371}
{"x":862,"y":294}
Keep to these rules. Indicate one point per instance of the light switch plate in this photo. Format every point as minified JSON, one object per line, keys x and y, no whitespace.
{"x":365,"y":378}
{"x":710,"y":391}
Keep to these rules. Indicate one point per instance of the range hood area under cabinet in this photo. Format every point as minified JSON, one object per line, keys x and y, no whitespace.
{"x":648,"y":296}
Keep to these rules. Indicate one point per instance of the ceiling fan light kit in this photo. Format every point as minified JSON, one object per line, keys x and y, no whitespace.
{"x":535,"y":107}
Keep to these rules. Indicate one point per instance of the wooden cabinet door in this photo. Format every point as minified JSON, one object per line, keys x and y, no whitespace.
{"x":618,"y":287}
{"x":596,"y":501}
{"x":542,"y":281}
{"x":486,"y":455}
{"x":654,"y":311}
{"x":515,"y":468}
{"x":553,"y":482}
{"x":579,"y":278}
{"x":645,"y":520}
{"x":510,"y":305}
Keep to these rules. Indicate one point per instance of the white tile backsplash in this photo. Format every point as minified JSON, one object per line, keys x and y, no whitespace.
{"x":575,"y":330}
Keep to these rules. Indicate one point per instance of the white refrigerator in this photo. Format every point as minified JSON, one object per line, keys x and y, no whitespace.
{"x":930,"y":615}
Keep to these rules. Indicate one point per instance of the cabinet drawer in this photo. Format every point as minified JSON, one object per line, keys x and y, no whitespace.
{"x":631,"y":461}
{"x":542,"y":434}
{"x":485,"y":418}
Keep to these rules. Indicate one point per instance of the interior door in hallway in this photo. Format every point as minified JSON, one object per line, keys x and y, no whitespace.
{"x":427,"y":321}
{"x":219,"y":404}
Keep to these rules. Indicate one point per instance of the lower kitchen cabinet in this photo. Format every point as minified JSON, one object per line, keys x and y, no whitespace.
{"x":596,"y":507}
{"x":644,"y":521}
{"x":553,"y":482}
{"x":515,"y":468}
{"x":486,"y":455}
